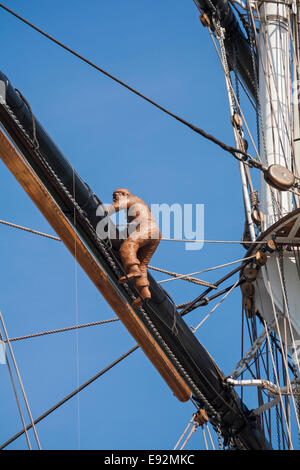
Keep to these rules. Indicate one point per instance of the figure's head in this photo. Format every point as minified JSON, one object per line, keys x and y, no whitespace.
{"x":120,"y":193}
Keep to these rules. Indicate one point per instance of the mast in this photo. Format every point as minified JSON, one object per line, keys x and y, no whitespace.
{"x":277,"y":284}
{"x":275,"y":104}
{"x":277,"y":134}
{"x":271,"y":290}
{"x":296,"y":90}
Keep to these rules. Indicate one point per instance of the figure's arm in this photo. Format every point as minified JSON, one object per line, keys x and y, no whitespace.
{"x":117,"y":206}
{"x":112,"y":208}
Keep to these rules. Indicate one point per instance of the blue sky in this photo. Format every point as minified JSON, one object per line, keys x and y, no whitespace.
{"x":114,"y":139}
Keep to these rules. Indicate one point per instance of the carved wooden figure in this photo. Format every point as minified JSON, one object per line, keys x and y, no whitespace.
{"x":142,"y":240}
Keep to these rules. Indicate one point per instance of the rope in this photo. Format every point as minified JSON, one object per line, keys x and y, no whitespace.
{"x":240,"y":242}
{"x":209,"y":434}
{"x":52,"y":237}
{"x":189,"y":306}
{"x":71,"y":395}
{"x":183,"y":276}
{"x":260,"y":127}
{"x":204,"y":300}
{"x":194,"y":428}
{"x":276,"y":375}
{"x":17,"y":397}
{"x":231,"y":90}
{"x":204,"y":437}
{"x":42,"y":234}
{"x":194,"y":329}
{"x":20,"y":382}
{"x":184,"y":432}
{"x":287,"y":317}
{"x":26,"y":229}
{"x":44,"y":333}
{"x":76,"y":311}
{"x":269,"y":288}
{"x":280,"y":267}
{"x":249,"y":355}
{"x":196,"y":129}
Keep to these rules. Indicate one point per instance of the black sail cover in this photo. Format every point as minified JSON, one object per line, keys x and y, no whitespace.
{"x":188,"y":356}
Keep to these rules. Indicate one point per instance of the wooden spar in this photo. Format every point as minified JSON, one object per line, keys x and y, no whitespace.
{"x":51,"y":211}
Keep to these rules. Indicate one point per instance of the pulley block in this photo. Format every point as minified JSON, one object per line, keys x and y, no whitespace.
{"x":261,"y":258}
{"x":236,"y":120}
{"x":279,"y":177}
{"x":205,"y":20}
{"x":257,"y":216}
{"x":247,"y":304}
{"x":247,"y":289}
{"x":271,"y":247}
{"x":250,"y":273}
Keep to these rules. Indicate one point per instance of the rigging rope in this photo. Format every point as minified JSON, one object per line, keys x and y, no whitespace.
{"x":68,"y":397}
{"x":36,"y":232}
{"x":60,"y":330}
{"x":194,"y":428}
{"x":195,"y":423}
{"x":240,"y":242}
{"x":189,"y":306}
{"x":20,"y":382}
{"x":283,"y":355}
{"x":233,"y":151}
{"x":184,"y":276}
{"x":17,"y":397}
{"x":76,"y":309}
{"x":184,"y":432}
{"x":233,"y":93}
{"x":194,"y":329}
{"x":253,"y":36}
{"x":42,"y":234}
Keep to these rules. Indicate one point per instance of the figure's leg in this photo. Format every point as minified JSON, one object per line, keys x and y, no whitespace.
{"x":144,"y":254}
{"x":131,"y":263}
